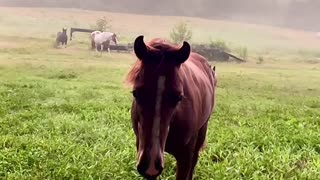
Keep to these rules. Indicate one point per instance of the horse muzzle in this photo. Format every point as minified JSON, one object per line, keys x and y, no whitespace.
{"x":150,"y":168}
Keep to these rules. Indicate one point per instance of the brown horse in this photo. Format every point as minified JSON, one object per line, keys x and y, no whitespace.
{"x":62,"y":38}
{"x":174,"y":92}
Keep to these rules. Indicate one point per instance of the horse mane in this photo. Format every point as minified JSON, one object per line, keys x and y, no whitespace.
{"x":133,"y":73}
{"x":158,"y":44}
{"x":155,"y":45}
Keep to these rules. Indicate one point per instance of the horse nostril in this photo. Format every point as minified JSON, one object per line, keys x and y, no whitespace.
{"x":143,"y":166}
{"x":141,"y":169}
{"x":158,"y":165}
{"x":147,"y":171}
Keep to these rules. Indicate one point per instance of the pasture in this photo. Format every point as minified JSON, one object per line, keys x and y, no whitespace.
{"x":65,"y":113}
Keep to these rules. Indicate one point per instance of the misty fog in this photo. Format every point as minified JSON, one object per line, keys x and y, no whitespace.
{"x":298,"y":14}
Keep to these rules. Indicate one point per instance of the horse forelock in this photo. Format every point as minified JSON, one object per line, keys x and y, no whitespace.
{"x":141,"y":73}
{"x":159,"y":48}
{"x":158,"y":44}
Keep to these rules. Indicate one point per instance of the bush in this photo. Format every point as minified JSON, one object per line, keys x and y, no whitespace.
{"x":260,"y":60}
{"x":219,"y":44}
{"x":180,"y":32}
{"x":243,"y":52}
{"x":102,"y":24}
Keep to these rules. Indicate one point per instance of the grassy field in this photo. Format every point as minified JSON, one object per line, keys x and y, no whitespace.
{"x":65,"y":113}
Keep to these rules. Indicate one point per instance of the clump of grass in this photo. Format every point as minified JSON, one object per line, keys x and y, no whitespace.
{"x":20,"y":51}
{"x":313,"y":104}
{"x":64,"y":75}
{"x":260,"y":60}
{"x":312,"y":61}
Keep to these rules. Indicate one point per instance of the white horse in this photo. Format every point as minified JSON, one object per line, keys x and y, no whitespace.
{"x":95,"y":32}
{"x":104,"y":38}
{"x":92,"y":35}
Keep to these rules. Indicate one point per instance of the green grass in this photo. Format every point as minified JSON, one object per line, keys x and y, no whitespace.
{"x":65,"y":114}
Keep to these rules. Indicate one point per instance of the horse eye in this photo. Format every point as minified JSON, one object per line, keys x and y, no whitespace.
{"x":137,"y":95}
{"x":134,"y":93}
{"x":179,"y":98}
{"x":174,"y":98}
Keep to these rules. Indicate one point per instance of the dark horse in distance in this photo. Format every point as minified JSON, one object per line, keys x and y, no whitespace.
{"x":62,"y":38}
{"x":174,"y":97}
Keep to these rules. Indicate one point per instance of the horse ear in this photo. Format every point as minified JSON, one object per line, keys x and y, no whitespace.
{"x":140,"y":48}
{"x":183,"y":53}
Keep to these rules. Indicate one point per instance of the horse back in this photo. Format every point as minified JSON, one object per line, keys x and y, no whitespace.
{"x":203,"y":66}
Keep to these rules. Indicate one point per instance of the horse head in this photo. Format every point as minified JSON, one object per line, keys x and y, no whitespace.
{"x":157,"y":92}
{"x":64,"y":30}
{"x":114,"y":38}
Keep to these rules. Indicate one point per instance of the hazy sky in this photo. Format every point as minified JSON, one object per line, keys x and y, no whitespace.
{"x":272,"y":12}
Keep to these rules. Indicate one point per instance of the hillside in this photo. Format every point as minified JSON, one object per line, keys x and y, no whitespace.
{"x":300,"y":14}
{"x":45,"y":22}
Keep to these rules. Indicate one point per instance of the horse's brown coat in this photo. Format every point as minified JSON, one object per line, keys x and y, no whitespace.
{"x":187,"y":104}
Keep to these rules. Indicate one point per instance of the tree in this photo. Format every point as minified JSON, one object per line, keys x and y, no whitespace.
{"x":102,"y":24}
{"x":180,"y":33}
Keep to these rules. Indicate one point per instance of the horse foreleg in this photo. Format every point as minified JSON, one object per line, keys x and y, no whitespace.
{"x":184,"y":165}
{"x":101,"y":48}
{"x":96,"y":44}
{"x":185,"y":160}
{"x":199,"y":144}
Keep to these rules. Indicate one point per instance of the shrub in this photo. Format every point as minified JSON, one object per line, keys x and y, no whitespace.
{"x":102,"y":24}
{"x":243,"y":52}
{"x":260,"y":60}
{"x":219,"y":44}
{"x":180,"y":32}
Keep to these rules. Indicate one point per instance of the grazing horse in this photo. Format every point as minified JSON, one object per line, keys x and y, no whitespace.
{"x":62,"y":38}
{"x":173,"y":99}
{"x":103,"y":39}
{"x":92,"y":35}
